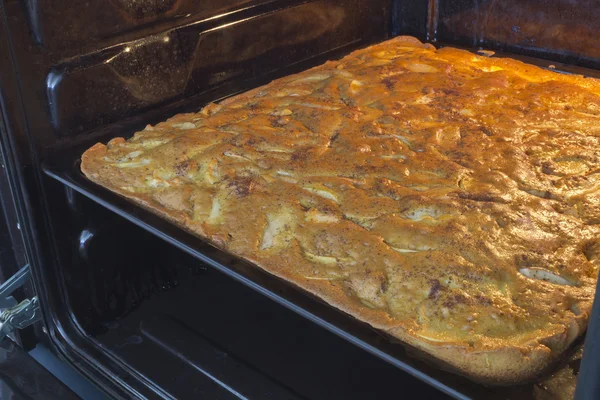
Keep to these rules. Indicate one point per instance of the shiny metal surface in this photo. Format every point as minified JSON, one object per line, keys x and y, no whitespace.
{"x":563,"y":30}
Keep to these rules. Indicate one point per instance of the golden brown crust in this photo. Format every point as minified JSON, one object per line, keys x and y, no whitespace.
{"x":447,"y":199}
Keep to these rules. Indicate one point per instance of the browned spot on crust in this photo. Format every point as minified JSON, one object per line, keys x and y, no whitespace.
{"x":242,"y":186}
{"x":434,"y":292}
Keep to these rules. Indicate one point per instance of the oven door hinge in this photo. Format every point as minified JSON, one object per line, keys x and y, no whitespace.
{"x":15,"y":315}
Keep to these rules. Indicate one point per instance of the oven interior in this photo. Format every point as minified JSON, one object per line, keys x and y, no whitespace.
{"x":132,"y":302}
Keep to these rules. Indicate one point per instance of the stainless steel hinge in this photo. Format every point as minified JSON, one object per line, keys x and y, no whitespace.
{"x":15,"y":315}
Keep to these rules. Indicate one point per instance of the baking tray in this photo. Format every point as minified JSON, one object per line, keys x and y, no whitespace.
{"x":400,"y":355}
{"x":64,"y":167}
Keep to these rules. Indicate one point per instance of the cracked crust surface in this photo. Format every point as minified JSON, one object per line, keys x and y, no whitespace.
{"x":448,"y":199}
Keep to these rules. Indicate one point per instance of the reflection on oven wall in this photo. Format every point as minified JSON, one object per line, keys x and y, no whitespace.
{"x":554,"y":28}
{"x":92,"y":20}
{"x":103,"y":86}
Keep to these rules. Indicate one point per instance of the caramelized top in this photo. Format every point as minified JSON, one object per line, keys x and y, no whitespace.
{"x":455,"y":194}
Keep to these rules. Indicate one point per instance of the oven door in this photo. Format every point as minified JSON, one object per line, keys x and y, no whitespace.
{"x":19,"y":307}
{"x":21,"y":375}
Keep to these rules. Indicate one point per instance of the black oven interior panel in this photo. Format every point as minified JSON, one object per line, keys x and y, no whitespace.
{"x":411,"y":18}
{"x":559,"y":30}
